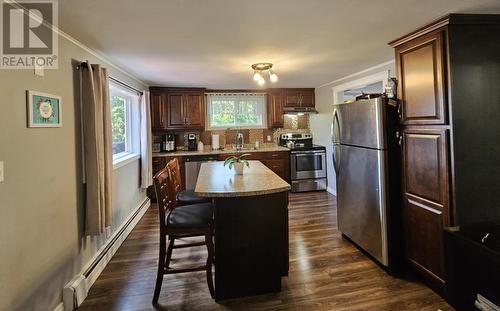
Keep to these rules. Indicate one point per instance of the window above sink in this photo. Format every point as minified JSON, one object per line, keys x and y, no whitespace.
{"x":236,"y":110}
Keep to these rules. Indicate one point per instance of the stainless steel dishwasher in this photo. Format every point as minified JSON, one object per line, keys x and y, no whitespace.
{"x":192,"y":168}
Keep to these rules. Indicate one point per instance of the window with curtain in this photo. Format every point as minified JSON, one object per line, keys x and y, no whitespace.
{"x":231,"y":110}
{"x":124,"y":104}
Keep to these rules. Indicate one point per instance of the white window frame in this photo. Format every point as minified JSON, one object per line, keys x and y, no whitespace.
{"x":209,"y":127}
{"x":131,"y":153}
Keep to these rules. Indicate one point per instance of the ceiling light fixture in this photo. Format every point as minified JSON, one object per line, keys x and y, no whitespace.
{"x":259,"y":69}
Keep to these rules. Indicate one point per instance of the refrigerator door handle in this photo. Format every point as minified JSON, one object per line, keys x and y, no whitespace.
{"x":335,"y":130}
{"x":336,"y":141}
{"x":336,"y":158}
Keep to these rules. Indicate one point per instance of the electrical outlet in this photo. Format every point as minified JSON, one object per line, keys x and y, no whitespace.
{"x":269,"y":138}
{"x":1,"y":171}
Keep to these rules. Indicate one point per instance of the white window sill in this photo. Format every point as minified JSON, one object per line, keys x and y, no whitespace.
{"x":124,"y":160}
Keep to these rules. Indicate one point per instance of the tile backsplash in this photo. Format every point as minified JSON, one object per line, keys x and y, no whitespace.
{"x":292,"y":124}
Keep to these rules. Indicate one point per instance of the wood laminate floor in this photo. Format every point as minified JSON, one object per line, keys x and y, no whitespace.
{"x":326,"y":272}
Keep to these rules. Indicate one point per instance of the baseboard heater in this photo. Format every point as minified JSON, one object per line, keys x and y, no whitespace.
{"x":75,"y":292}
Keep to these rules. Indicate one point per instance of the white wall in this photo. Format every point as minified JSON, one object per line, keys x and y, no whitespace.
{"x":321,"y":123}
{"x":42,"y":245}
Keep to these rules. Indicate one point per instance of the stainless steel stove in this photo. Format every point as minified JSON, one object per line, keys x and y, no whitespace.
{"x":307,"y":162}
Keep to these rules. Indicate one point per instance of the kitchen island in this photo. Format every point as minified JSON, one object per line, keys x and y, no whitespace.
{"x":251,"y":221}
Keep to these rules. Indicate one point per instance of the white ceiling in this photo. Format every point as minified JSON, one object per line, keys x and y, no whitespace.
{"x":212,"y":43}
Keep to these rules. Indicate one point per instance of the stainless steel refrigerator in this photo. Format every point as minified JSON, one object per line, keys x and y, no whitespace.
{"x":366,"y":162}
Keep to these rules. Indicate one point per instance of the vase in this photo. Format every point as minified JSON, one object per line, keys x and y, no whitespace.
{"x":238,"y":168}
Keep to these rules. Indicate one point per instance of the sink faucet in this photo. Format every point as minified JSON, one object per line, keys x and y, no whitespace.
{"x":239,"y":140}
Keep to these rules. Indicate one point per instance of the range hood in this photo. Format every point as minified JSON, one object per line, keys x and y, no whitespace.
{"x":299,"y":110}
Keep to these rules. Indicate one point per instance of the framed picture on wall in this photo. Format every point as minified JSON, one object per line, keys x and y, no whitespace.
{"x":44,"y":110}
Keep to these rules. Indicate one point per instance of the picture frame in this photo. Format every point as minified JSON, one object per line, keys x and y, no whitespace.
{"x":44,"y":110}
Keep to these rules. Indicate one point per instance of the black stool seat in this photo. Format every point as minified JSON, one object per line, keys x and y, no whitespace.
{"x":190,"y":216}
{"x":185,"y":197}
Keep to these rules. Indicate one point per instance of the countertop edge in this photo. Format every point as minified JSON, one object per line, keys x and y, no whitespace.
{"x":217,"y":152}
{"x":242,"y":194}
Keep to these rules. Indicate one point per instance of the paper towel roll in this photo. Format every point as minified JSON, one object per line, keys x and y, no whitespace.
{"x":215,"y":142}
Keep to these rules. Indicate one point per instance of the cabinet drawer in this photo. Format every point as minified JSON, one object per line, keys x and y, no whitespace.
{"x":277,"y":166}
{"x":275,"y":155}
{"x":424,"y":247}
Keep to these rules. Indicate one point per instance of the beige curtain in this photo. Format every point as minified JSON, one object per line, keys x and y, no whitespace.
{"x":97,"y":142}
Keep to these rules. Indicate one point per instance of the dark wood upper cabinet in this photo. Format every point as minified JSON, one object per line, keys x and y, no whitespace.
{"x":307,"y":99}
{"x":275,"y":108}
{"x":194,"y":112}
{"x":158,"y":113}
{"x":291,"y":98}
{"x":298,"y":98}
{"x":177,"y":108}
{"x":421,"y":73}
{"x":184,"y":108}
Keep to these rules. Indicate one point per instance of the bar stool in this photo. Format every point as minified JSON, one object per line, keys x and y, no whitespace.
{"x":180,"y":221}
{"x":183,"y":197}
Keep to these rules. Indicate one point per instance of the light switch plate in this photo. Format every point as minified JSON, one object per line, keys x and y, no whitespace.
{"x":1,"y":171}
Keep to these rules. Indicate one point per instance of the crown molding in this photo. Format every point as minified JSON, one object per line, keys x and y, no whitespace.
{"x":357,"y":73}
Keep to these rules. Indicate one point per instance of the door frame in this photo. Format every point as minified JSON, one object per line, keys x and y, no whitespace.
{"x":377,"y":77}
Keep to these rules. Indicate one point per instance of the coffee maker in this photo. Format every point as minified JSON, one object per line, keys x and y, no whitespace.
{"x":168,"y":143}
{"x":192,"y":142}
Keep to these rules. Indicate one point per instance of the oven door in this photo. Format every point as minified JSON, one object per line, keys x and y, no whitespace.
{"x":307,"y":164}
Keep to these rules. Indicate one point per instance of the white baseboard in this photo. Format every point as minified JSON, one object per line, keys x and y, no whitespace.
{"x":77,"y":289}
{"x":332,"y":191}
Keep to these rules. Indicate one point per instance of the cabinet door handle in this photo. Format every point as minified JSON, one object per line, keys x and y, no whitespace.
{"x":400,"y":114}
{"x":400,"y":139}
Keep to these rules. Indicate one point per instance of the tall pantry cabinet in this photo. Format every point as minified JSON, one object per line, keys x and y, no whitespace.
{"x":449,"y":89}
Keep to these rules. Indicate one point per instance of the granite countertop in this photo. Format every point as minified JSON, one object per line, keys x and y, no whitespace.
{"x":216,"y":180}
{"x":215,"y":152}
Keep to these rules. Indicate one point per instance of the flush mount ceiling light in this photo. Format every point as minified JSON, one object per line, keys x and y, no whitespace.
{"x":259,"y":70}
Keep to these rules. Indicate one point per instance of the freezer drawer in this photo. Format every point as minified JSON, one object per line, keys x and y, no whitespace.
{"x":361,"y":198}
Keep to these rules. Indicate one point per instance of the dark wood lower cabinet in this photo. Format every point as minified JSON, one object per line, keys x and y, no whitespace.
{"x":426,"y":199}
{"x":252,"y":244}
{"x":278,"y":162}
{"x":424,"y":242}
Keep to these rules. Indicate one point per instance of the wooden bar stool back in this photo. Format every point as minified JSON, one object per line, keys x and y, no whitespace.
{"x":179,"y":222}
{"x":183,"y":197}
